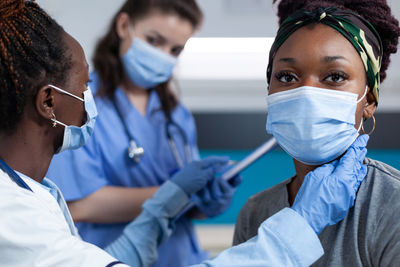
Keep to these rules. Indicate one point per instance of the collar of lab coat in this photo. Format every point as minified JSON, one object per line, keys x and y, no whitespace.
{"x":51,"y":195}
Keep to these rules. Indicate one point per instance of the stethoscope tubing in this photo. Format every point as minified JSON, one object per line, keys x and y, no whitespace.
{"x":169,"y":123}
{"x":188,"y":153}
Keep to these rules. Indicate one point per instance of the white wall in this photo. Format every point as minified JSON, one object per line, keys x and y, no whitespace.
{"x":87,"y":20}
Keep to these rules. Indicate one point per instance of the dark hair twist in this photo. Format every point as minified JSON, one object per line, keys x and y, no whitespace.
{"x":377,"y":12}
{"x":32,"y":54}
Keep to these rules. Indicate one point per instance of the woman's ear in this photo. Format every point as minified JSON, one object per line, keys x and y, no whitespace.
{"x":45,"y":102}
{"x":123,"y":26}
{"x":124,"y":32}
{"x":370,"y":106}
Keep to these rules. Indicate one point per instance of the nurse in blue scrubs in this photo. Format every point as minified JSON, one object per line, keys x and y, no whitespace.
{"x":143,"y":134}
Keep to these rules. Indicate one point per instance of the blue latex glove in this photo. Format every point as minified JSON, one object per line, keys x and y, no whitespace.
{"x":217,"y":196}
{"x":330,"y":190}
{"x":197,"y":174}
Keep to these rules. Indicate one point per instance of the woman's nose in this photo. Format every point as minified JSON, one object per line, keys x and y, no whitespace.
{"x":166,"y":49}
{"x":310,"y":80}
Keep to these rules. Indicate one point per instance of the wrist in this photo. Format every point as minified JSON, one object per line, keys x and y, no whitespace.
{"x":311,"y":221}
{"x":181,"y":186}
{"x":168,"y":201}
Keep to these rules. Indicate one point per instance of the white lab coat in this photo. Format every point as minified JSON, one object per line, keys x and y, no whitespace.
{"x":33,"y":227}
{"x":35,"y":232}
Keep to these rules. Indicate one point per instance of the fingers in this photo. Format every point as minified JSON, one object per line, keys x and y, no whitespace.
{"x":347,"y":163}
{"x":214,"y":162}
{"x":352,"y":160}
{"x":204,"y":195}
{"x":210,"y":174}
{"x":235,"y":181}
{"x":361,"y":141}
{"x":325,"y":169}
{"x":224,"y":187}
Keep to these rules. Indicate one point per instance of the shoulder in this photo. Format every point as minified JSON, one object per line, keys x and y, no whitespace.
{"x":381,"y":178}
{"x":29,"y":230}
{"x":272,"y":193}
{"x":94,"y":82}
{"x":258,"y":208}
{"x":9,"y":189}
{"x":18,"y":202}
{"x":184,"y":118}
{"x":103,"y":103}
{"x":380,"y":188}
{"x":379,"y":194}
{"x":381,"y":169}
{"x":182,"y":112}
{"x":377,"y":201}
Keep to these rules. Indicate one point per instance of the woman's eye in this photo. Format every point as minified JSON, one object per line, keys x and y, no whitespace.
{"x":176,"y":51}
{"x":336,"y":77}
{"x":285,"y":77}
{"x":151,"y":40}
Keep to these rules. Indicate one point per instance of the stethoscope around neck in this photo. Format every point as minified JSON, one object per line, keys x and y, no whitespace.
{"x":136,"y":152}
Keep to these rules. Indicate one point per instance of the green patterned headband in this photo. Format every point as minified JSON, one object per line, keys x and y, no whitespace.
{"x":358,"y":31}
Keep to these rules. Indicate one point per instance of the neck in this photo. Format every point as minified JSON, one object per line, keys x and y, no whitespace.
{"x":28,"y":150}
{"x":138,"y":96}
{"x":301,"y":172}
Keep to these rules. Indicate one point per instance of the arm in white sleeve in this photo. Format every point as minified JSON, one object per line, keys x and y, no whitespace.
{"x":138,"y":244}
{"x":284,"y":239}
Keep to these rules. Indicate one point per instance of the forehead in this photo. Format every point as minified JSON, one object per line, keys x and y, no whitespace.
{"x":79,"y":65}
{"x":317,"y":41}
{"x":167,"y":24}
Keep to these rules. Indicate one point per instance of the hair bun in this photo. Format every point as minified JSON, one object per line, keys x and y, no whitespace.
{"x":10,"y":8}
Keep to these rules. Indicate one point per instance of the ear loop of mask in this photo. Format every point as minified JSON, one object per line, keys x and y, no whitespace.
{"x":58,"y":122}
{"x":67,"y":93}
{"x":366,"y":104}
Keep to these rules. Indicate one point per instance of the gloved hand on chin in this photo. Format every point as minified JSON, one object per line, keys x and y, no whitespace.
{"x":329,"y":191}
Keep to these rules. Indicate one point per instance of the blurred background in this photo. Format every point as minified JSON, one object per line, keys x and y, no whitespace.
{"x":221,"y":79}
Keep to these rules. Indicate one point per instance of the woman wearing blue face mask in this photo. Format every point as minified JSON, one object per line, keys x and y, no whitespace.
{"x":143,"y":134}
{"x":324,"y":74}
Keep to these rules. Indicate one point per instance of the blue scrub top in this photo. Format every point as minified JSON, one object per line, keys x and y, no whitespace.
{"x":104,"y":161}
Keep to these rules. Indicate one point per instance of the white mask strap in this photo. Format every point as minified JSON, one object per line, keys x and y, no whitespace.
{"x":361,"y":124}
{"x":365,"y":93}
{"x":65,"y":92}
{"x":358,"y":101}
{"x":59,"y":122}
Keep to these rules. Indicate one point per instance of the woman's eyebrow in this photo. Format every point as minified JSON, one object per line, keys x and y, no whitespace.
{"x":164,"y":39}
{"x":329,"y":59}
{"x":287,"y":60}
{"x":158,"y":35}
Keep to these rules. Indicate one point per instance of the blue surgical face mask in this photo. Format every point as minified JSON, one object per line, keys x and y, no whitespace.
{"x":74,"y":136}
{"x":147,"y":66}
{"x":313,"y":125}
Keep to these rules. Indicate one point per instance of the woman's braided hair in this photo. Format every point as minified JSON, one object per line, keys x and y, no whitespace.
{"x":377,"y":12}
{"x":32,"y":54}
